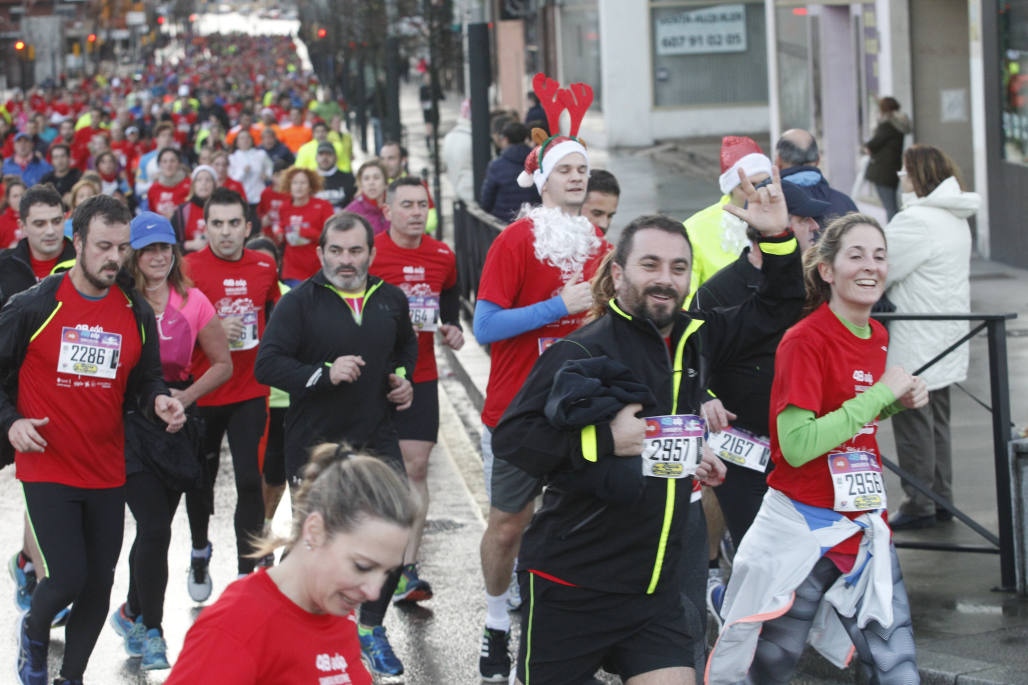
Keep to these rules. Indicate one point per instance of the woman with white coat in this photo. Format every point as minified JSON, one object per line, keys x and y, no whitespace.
{"x":929,"y":272}
{"x":250,"y":166}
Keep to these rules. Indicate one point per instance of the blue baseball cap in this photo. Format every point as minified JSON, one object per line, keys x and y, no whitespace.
{"x":149,"y":228}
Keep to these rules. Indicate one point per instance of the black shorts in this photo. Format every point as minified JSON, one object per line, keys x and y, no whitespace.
{"x":420,"y":421}
{"x":567,"y":633}
{"x":385,"y":448}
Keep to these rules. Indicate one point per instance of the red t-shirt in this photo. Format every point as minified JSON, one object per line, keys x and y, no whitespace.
{"x":243,"y":288}
{"x":271,"y":205}
{"x":194,"y":221}
{"x":512,"y":277}
{"x":10,"y":234}
{"x":422,"y":274}
{"x":235,"y":185}
{"x":819,"y":365}
{"x":301,"y":261}
{"x":255,"y":634}
{"x":75,"y":372}
{"x":165,"y":199}
{"x":42,"y":269}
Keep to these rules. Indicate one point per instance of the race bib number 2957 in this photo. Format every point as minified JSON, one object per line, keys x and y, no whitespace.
{"x":672,"y":446}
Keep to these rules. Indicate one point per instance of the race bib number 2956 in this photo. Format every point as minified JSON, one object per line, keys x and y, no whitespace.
{"x":672,"y":446}
{"x":857,"y":481}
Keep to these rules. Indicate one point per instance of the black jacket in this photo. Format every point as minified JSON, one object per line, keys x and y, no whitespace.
{"x":886,"y":148}
{"x":310,"y":327}
{"x":16,"y":272}
{"x":743,"y":383}
{"x":28,"y":311}
{"x":501,"y":195}
{"x":628,"y":539}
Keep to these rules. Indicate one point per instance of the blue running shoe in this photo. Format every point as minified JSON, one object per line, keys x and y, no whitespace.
{"x":132,"y":630}
{"x":31,"y":662}
{"x":155,"y":652}
{"x":715,"y":600}
{"x":376,"y":652}
{"x":411,"y":587}
{"x":24,"y":581}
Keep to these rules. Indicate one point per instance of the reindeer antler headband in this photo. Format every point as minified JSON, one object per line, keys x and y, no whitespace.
{"x":575,"y":99}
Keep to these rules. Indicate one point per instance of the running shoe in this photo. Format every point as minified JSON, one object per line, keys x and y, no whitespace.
{"x":132,"y":630}
{"x":376,"y":652}
{"x":31,"y":657}
{"x":198,"y":577}
{"x":715,"y":600}
{"x":494,"y":659}
{"x":411,"y":588}
{"x":727,"y":548}
{"x":24,"y":581}
{"x":513,"y":593}
{"x":155,"y":652}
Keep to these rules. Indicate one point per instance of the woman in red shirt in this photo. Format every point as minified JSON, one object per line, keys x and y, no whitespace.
{"x":172,"y":185}
{"x":294,"y":622}
{"x":188,"y":217}
{"x":302,"y":217}
{"x":825,"y":511}
{"x":219,"y":160}
{"x":10,"y":234}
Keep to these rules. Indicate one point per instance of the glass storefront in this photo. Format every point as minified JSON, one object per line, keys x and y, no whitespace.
{"x":1013,"y":63}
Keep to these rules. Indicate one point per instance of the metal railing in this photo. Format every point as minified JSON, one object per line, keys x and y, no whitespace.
{"x":474,"y":230}
{"x":999,"y":383}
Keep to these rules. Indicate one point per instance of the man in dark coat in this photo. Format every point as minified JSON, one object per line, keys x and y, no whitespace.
{"x":501,"y":195}
{"x":797,"y":155}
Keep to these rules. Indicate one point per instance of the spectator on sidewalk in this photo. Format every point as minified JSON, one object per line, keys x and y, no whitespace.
{"x":886,"y":150}
{"x":501,"y":195}
{"x":457,"y":155}
{"x":797,"y":155}
{"x":929,"y":272}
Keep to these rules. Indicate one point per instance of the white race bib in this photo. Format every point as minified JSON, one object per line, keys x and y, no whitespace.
{"x":672,"y":446}
{"x":89,"y":353}
{"x":857,"y":480}
{"x":742,"y":448}
{"x":249,"y":339}
{"x":424,"y":312}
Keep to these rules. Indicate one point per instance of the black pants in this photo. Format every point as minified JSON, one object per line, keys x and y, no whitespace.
{"x":275,"y":447}
{"x":244,"y":422}
{"x":153,"y":506}
{"x":79,"y":532}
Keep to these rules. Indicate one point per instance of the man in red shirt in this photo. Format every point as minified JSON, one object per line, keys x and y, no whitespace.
{"x":239,"y":283}
{"x":534,"y":290}
{"x":76,"y":352}
{"x":425,"y":269}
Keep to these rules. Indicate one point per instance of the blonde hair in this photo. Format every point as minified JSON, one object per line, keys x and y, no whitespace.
{"x":344,"y":488}
{"x":602,"y":288}
{"x":824,"y":252}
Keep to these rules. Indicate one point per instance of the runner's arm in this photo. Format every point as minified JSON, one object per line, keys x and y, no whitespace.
{"x":277,"y":363}
{"x":493,"y":322}
{"x":405,"y":349}
{"x":803,"y":436}
{"x":146,"y":380}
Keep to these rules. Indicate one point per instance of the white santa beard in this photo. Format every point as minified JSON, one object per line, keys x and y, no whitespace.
{"x":561,"y":240}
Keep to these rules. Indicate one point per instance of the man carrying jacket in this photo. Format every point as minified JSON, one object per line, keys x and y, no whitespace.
{"x":342,"y":345}
{"x":599,"y":564}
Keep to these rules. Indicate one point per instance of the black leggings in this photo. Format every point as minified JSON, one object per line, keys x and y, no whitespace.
{"x":79,"y":534}
{"x":245,"y":422}
{"x":153,"y":506}
{"x":275,"y":447}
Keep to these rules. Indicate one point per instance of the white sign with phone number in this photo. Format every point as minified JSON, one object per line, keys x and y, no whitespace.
{"x":695,"y":32}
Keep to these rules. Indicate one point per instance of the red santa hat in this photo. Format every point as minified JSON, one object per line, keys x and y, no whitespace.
{"x":549,"y":150}
{"x":740,"y":152}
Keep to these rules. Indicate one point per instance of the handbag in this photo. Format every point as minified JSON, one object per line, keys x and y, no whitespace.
{"x":173,"y":457}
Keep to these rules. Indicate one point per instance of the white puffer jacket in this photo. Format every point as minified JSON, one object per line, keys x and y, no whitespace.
{"x":929,"y":271}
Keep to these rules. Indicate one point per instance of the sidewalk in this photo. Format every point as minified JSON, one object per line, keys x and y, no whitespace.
{"x":965,"y":631}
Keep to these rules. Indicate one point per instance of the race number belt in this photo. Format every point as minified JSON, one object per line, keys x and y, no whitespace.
{"x":857,"y":480}
{"x":672,"y":446}
{"x":89,"y":353}
{"x":741,"y":448}
{"x":424,"y":312}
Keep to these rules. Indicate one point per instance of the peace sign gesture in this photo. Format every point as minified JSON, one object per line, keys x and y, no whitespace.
{"x":765,"y":206}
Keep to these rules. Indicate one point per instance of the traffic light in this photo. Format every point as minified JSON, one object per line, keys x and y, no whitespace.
{"x":91,"y":38}
{"x":322,"y":33}
{"x":160,"y":21}
{"x":19,"y":45}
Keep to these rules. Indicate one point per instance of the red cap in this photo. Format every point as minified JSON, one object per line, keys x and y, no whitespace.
{"x":734,"y":148}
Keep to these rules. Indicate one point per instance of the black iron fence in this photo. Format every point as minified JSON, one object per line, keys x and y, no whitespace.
{"x":999,"y":384}
{"x":474,"y":230}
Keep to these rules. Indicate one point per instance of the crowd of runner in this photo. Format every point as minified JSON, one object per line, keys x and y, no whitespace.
{"x":190,"y":255}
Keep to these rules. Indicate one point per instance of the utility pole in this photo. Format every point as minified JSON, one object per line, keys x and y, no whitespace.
{"x":392,"y":115}
{"x":433,"y":86}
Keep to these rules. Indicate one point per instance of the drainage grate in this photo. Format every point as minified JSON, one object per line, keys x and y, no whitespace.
{"x":442,"y":525}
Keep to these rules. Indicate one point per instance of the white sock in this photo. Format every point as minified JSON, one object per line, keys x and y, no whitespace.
{"x":496,"y":616}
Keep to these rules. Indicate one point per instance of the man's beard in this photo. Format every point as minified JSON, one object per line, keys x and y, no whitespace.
{"x":349,"y":279}
{"x":561,"y":240}
{"x":99,"y":279}
{"x":637,"y":304}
